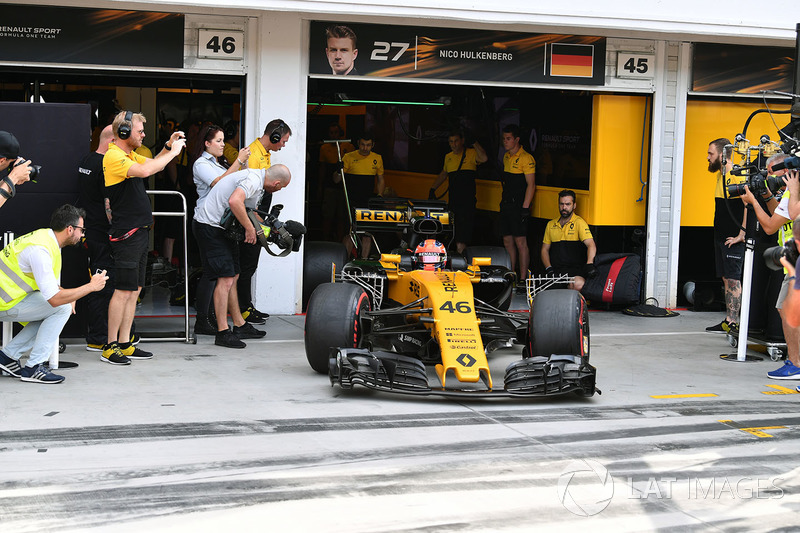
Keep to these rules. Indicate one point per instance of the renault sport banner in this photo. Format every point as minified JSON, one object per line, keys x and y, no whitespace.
{"x":43,"y":34}
{"x":447,"y":53}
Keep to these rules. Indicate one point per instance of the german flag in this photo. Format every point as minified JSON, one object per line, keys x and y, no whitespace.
{"x":574,"y":60}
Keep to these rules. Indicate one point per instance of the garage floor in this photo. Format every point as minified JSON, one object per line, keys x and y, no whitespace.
{"x":202,"y":438}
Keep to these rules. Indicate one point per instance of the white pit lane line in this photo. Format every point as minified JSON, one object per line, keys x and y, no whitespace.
{"x":650,"y":334}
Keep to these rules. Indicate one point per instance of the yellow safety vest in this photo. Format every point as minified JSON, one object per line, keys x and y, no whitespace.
{"x":785,"y":233}
{"x":16,"y":284}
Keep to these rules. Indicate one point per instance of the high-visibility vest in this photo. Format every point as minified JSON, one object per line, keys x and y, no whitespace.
{"x":786,"y":231}
{"x":16,"y":284}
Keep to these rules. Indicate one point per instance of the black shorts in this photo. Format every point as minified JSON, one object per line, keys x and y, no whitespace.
{"x":511,"y":220}
{"x":130,"y":260}
{"x":219,"y":254}
{"x":729,"y":261}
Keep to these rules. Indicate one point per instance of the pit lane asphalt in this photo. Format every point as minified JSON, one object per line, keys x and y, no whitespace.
{"x":202,"y":438}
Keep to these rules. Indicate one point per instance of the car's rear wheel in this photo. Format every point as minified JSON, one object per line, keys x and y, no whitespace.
{"x":318,"y":260}
{"x":333,"y":320}
{"x":497,"y":294}
{"x":559,"y":324}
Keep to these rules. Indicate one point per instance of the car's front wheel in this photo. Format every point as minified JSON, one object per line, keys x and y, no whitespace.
{"x":333,"y":320}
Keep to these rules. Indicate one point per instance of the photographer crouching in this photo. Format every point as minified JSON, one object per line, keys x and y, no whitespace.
{"x":235,"y":197}
{"x":19,"y":170}
{"x":780,"y":220}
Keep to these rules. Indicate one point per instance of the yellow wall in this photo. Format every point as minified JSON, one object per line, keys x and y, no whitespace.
{"x":614,"y":185}
{"x":705,"y":121}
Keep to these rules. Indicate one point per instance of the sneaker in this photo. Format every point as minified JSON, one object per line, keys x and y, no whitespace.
{"x":135,"y":339}
{"x":718,"y":328}
{"x":9,"y":365}
{"x":247,"y":331}
{"x":132,"y":352}
{"x":731,"y":328}
{"x":39,"y":374}
{"x":112,"y":354}
{"x":94,"y":347}
{"x":203,"y":326}
{"x":787,"y":371}
{"x":228,"y":339}
{"x":252,"y":316}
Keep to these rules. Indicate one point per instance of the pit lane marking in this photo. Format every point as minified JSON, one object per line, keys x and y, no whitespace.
{"x":779,"y":390}
{"x":667,"y":396}
{"x":755,"y":431}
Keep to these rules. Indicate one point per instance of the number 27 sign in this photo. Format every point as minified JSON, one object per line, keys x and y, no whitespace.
{"x":221,"y":44}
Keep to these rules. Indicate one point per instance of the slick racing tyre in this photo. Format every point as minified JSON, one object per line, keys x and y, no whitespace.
{"x":496,"y":294}
{"x":333,"y":320}
{"x":497,"y":254}
{"x":559,"y":324}
{"x":317,"y":260}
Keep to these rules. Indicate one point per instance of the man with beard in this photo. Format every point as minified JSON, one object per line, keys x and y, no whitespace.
{"x":568,"y":247}
{"x":729,"y":224}
{"x":30,"y":272}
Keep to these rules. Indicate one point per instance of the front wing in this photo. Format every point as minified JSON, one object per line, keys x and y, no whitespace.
{"x":392,"y":372}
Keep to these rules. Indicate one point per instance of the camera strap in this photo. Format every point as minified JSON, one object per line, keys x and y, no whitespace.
{"x":8,"y":195}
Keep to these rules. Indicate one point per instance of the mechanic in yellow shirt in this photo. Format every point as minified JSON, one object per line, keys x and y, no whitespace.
{"x":363,"y":177}
{"x":519,"y":185}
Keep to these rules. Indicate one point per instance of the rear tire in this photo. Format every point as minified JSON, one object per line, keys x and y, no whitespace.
{"x":498,"y":295}
{"x":333,"y":320}
{"x":497,"y":254}
{"x":559,"y":324}
{"x":318,"y":257}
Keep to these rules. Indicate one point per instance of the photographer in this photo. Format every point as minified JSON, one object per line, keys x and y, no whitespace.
{"x":125,"y":173}
{"x":20,"y":169}
{"x":781,"y":221}
{"x":220,"y":254}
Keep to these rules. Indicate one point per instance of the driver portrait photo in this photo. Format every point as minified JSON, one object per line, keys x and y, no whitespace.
{"x":341,"y":50}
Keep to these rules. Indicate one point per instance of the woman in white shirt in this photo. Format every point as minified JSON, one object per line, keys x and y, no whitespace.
{"x":208,"y":169}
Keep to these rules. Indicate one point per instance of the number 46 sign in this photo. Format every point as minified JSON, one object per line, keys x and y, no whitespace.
{"x":221,"y":44}
{"x":635,"y":65}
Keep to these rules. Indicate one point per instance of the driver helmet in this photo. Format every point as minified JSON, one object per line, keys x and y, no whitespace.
{"x":430,"y":255}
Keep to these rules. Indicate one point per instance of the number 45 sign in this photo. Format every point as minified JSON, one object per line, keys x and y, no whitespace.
{"x":635,"y":65}
{"x":221,"y":44}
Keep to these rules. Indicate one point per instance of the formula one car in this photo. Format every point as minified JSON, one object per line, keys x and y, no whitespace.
{"x":382,"y":323}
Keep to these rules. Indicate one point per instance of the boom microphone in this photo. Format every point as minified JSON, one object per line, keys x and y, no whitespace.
{"x":295,"y":228}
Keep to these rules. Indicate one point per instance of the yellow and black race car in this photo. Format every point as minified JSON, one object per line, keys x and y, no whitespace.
{"x":391,"y":325}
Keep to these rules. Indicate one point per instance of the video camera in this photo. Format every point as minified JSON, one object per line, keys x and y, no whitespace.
{"x":759,"y":181}
{"x":286,"y":235}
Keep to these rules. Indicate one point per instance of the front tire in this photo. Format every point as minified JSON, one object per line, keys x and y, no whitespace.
{"x":333,"y":320}
{"x":559,"y":324}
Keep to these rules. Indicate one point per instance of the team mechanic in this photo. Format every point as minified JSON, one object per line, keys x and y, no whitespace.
{"x":568,"y":246}
{"x":276,"y":135}
{"x":728,"y":237}
{"x":519,"y":186}
{"x":125,"y":173}
{"x":363,"y":175}
{"x":460,"y":169}
{"x":30,"y":272}
{"x":220,"y":254}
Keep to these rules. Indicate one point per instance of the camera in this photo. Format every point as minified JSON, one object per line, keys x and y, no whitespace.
{"x":286,"y":235}
{"x":759,"y":182}
{"x":772,"y":256}
{"x":35,"y":169}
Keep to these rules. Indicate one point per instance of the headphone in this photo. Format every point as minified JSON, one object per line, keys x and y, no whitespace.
{"x":277,"y":133}
{"x":230,"y":128}
{"x":124,"y":130}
